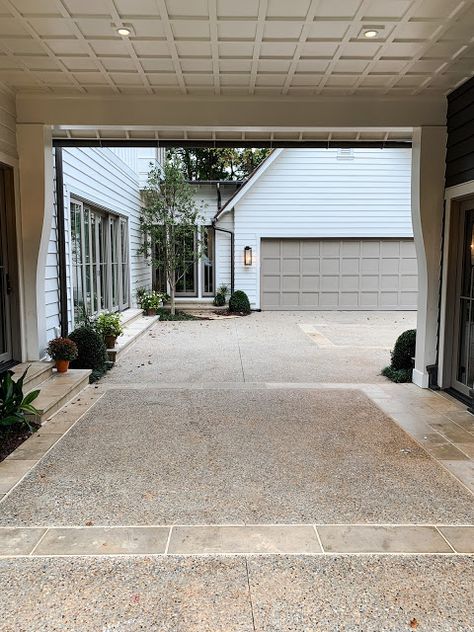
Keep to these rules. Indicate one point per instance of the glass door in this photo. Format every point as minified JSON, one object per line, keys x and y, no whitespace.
{"x":463,"y":378}
{"x":5,"y":315}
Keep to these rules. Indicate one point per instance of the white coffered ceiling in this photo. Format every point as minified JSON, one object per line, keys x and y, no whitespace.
{"x":236,"y":47}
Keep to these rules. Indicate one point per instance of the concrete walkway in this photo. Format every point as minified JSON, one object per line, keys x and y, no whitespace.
{"x":212,"y":483}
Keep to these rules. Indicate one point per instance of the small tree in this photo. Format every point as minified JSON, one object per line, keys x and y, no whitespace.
{"x":168,"y":222}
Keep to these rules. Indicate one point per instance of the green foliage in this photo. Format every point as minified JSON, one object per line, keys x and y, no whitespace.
{"x":221,"y":295}
{"x":150,"y":299}
{"x":227,"y":163}
{"x":397,"y":375}
{"x":92,"y":352}
{"x":401,"y":367}
{"x":62,"y":349}
{"x":108,"y":324}
{"x":239,"y":303}
{"x":14,"y":405}
{"x":168,"y":223}
{"x":404,"y":350}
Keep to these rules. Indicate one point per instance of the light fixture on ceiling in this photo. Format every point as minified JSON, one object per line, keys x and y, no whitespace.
{"x":372,"y":31}
{"x":124,"y":30}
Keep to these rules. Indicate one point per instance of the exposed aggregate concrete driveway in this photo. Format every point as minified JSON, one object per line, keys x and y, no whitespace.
{"x":221,"y":422}
{"x":266,"y":347}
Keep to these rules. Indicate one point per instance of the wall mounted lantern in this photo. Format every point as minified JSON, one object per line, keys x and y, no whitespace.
{"x":247,"y":256}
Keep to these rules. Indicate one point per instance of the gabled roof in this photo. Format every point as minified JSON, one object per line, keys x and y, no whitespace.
{"x":254,"y":176}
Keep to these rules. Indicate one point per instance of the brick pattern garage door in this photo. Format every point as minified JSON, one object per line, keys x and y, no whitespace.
{"x":348,"y":274}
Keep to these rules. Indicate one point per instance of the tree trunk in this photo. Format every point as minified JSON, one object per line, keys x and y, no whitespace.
{"x":172,"y":299}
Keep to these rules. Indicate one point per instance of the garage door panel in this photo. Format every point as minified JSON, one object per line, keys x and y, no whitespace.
{"x":290,"y":284}
{"x":271,"y":266}
{"x":310,"y":283}
{"x":290,"y":248}
{"x":350,"y":266}
{"x":338,"y":274}
{"x":330,"y":266}
{"x":290,"y":266}
{"x":349,"y":283}
{"x":310,"y":266}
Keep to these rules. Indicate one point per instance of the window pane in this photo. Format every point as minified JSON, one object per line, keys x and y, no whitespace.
{"x":208,"y":260}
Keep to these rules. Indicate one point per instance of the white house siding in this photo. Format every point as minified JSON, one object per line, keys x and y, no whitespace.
{"x":100,"y":177}
{"x":313,"y":193}
{"x":206,"y":197}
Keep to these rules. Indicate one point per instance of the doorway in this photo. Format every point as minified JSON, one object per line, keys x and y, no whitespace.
{"x":8,"y":277}
{"x":463,"y":352}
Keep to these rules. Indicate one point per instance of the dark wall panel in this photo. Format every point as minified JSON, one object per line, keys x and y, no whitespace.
{"x":460,"y":151}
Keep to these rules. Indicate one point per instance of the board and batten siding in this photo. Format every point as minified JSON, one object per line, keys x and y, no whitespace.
{"x":460,"y":146}
{"x":102,"y":178}
{"x":322,"y":193}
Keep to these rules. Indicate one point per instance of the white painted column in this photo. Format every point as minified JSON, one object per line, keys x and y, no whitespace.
{"x":427,"y":196}
{"x":36,"y":209}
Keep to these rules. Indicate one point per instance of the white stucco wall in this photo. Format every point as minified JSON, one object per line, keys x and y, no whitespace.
{"x":315,"y":193}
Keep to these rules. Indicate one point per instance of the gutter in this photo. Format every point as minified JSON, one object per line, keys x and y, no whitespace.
{"x":228,"y":232}
{"x":61,"y":239}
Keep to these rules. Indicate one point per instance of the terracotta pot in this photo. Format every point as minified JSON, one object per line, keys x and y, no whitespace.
{"x":151,"y":311}
{"x":62,"y":366}
{"x":110,"y":341}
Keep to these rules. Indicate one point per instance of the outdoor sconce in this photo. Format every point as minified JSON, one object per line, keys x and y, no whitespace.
{"x":247,"y":256}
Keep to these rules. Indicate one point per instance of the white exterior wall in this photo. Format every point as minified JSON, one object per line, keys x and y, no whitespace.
{"x":103,"y":178}
{"x":206,"y":197}
{"x":312,"y":193}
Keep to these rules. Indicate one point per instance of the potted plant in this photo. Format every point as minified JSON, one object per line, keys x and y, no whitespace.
{"x":221,"y":295}
{"x":108,"y":325}
{"x":151,"y":301}
{"x":62,"y":351}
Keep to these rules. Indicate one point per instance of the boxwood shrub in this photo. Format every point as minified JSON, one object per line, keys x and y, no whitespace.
{"x":92,"y":352}
{"x":401,"y":366}
{"x":239,"y":303}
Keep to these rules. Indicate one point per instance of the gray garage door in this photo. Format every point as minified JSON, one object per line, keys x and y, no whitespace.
{"x":338,"y":274}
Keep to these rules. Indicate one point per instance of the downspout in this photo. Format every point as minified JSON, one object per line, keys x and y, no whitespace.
{"x":61,"y":239}
{"x":232,"y":237}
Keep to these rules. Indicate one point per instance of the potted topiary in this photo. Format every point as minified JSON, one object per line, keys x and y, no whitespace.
{"x":108,"y":325}
{"x":221,"y":295}
{"x":62,"y":351}
{"x":151,"y":301}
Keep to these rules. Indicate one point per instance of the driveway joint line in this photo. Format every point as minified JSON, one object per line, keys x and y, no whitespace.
{"x":41,"y":538}
{"x":319,"y":538}
{"x":250,"y":593}
{"x":446,"y":540}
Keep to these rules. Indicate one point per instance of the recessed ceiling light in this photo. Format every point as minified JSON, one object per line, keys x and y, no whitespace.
{"x":124,"y":31}
{"x":371,"y":33}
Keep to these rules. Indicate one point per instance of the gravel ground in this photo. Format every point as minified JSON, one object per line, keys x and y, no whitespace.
{"x":261,"y":594}
{"x":265,"y":347}
{"x":155,"y":456}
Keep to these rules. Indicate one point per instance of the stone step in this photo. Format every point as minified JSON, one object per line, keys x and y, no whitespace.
{"x":201,"y":306}
{"x":38,"y":372}
{"x":132,"y":331}
{"x":129,"y":315}
{"x":58,"y":390}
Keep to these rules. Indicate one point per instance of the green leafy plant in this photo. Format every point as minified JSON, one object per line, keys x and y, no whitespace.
{"x":239,"y":303}
{"x":221,"y":295}
{"x":92,"y":352}
{"x":14,"y":405}
{"x":401,"y":366}
{"x":169,"y":221}
{"x":151,"y":299}
{"x":108,"y":324}
{"x":62,"y":349}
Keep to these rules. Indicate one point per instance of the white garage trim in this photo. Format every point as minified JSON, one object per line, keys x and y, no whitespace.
{"x":331,"y":274}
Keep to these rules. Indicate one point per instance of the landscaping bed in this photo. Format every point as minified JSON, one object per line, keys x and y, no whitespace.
{"x":13,"y":437}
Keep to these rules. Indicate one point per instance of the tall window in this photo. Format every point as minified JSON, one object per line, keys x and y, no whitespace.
{"x":187,"y":273}
{"x":208,"y":261}
{"x":99,"y":250}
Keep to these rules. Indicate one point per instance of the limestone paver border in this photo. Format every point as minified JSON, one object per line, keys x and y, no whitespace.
{"x":264,"y":539}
